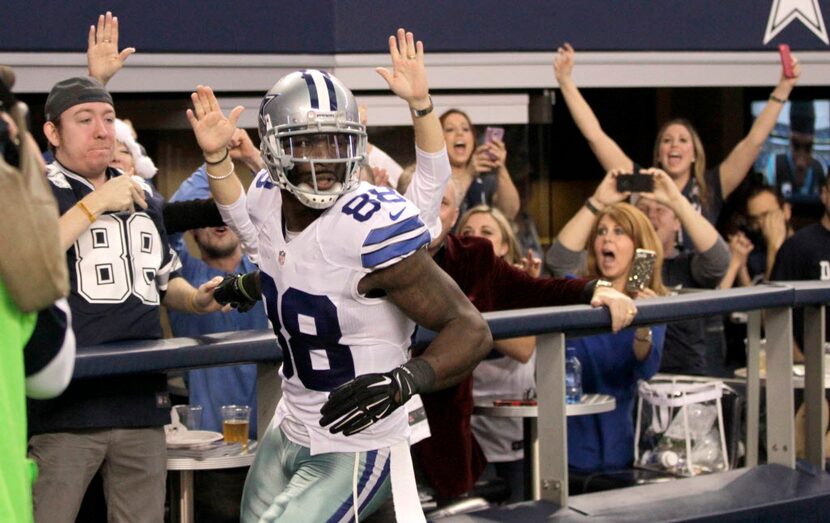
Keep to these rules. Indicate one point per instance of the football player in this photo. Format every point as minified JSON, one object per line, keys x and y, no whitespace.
{"x":344,"y":274}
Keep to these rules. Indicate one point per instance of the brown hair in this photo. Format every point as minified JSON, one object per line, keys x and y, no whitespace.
{"x":637,"y":227}
{"x":514,"y":253}
{"x":450,"y":112}
{"x":698,"y":166}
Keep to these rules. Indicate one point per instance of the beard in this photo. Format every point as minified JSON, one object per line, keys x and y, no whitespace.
{"x":214,"y":251}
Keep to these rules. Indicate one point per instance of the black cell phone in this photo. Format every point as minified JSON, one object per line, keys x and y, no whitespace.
{"x":635,"y":183}
{"x":642,"y":269}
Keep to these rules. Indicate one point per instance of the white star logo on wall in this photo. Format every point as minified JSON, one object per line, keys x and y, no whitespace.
{"x":785,"y":11}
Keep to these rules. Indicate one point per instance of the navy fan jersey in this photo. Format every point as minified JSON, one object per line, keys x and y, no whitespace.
{"x":118,"y":268}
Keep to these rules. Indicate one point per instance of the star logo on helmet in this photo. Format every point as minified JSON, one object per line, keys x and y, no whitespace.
{"x":785,"y":12}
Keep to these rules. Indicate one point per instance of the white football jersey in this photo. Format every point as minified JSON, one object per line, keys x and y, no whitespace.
{"x":328,"y":332}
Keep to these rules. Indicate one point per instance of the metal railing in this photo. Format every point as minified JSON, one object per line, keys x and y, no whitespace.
{"x":552,"y":325}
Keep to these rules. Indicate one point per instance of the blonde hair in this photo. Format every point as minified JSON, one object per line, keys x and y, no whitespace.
{"x":514,"y":253}
{"x":637,"y":227}
{"x":698,"y":166}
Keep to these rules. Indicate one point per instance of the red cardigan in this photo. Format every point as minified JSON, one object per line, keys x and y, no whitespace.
{"x":451,"y":459}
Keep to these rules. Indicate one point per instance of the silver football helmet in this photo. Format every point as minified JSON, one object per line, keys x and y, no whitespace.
{"x":311,"y":137}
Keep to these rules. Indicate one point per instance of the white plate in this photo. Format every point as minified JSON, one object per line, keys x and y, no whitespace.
{"x":192,"y":438}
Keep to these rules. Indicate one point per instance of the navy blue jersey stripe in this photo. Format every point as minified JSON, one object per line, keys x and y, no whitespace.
{"x":332,"y":93}
{"x":390,"y":252}
{"x":312,"y":90}
{"x":390,"y":231}
{"x":346,"y":506}
{"x":378,"y":484}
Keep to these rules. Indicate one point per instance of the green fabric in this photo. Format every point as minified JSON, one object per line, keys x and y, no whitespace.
{"x":16,"y":471}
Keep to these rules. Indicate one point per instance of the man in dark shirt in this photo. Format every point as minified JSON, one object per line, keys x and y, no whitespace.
{"x":806,"y":256}
{"x":121,"y":268}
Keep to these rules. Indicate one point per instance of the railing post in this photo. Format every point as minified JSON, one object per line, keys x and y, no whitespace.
{"x":814,"y":383}
{"x":780,"y":423}
{"x":753,"y":387}
{"x":552,"y":420}
{"x":268,"y":394}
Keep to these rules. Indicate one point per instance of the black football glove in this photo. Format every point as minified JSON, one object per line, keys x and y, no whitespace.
{"x":361,"y":402}
{"x":241,"y":291}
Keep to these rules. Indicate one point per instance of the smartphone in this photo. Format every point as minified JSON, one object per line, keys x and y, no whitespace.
{"x":786,"y":60}
{"x":635,"y":183}
{"x":492,"y":134}
{"x":514,"y":403}
{"x":642,"y":269}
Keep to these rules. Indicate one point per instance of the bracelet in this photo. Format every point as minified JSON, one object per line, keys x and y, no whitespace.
{"x":227,"y":152}
{"x":590,"y":207}
{"x":89,"y":214}
{"x":418,"y":113}
{"x":191,"y":302}
{"x":774,"y":98}
{"x":230,"y":172}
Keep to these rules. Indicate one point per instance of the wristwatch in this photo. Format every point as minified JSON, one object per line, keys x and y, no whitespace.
{"x":418,"y":113}
{"x":648,"y":338}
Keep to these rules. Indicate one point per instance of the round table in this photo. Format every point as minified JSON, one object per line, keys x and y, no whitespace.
{"x":589,"y":404}
{"x":184,"y":468}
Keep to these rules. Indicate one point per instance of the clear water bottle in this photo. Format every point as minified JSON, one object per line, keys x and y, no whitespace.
{"x":661,"y":459}
{"x":573,"y":377}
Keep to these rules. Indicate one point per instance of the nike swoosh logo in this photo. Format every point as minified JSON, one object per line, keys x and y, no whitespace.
{"x":395,"y":216}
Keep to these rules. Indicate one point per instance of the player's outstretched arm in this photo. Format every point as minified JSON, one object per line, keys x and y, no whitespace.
{"x":429,"y":296}
{"x":408,"y":80}
{"x":214,"y":132}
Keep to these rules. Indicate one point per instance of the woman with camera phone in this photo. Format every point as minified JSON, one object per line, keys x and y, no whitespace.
{"x":678,"y":149}
{"x":479,"y":170}
{"x":600,"y":241}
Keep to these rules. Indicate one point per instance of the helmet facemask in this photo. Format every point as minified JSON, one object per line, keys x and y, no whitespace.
{"x":312,"y":140}
{"x":315,"y":162}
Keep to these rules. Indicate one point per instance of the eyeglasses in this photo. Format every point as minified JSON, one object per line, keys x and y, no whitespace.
{"x":800,"y":144}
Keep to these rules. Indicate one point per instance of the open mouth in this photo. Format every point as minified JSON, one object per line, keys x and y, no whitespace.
{"x":608,"y":257}
{"x":675,"y":158}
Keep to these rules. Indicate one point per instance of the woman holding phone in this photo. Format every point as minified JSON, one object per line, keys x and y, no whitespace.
{"x":480,"y":171}
{"x":678,"y":149}
{"x":605,"y":243}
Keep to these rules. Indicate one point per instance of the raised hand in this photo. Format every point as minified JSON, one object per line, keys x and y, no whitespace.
{"x":796,"y":72}
{"x":665,"y":190}
{"x":212,"y":128}
{"x":408,"y":77}
{"x":563,"y":63}
{"x":102,"y":55}
{"x":242,"y":148}
{"x":531,"y":264}
{"x":489,"y":156}
{"x":606,"y":192}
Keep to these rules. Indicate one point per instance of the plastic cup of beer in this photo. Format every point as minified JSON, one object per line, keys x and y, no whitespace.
{"x":235,"y":419}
